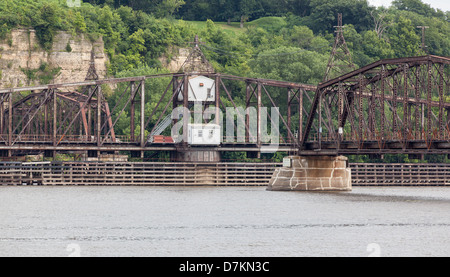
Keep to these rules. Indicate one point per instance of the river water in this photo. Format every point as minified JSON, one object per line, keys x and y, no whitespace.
{"x":223,"y":221}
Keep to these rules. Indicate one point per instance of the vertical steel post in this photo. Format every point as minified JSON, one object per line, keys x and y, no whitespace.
{"x":320,"y":118}
{"x":10,"y":119}
{"x":247,"y":114}
{"x":45,"y":115}
{"x":132,"y":111}
{"x":360,"y":110}
{"x":441,"y":102}
{"x":175,"y":94}
{"x":383,"y":115}
{"x":142,"y":114}
{"x":2,"y":111}
{"x":448,"y":124}
{"x":99,"y":115}
{"x":405,"y":102}
{"x":259,"y":105}
{"x":55,"y":119}
{"x":394,"y":107}
{"x":372,"y":119}
{"x":300,"y":115}
{"x":89,"y":116}
{"x":429,"y":98}
{"x":416,"y":111}
{"x":217,"y":92}
{"x":186,"y":108}
{"x":289,"y":114}
{"x":340,"y":104}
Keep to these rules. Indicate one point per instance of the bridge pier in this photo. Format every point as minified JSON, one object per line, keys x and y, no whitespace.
{"x":196,"y":156}
{"x":301,"y":173}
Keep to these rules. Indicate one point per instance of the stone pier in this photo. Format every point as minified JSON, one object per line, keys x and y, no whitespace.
{"x":324,"y":173}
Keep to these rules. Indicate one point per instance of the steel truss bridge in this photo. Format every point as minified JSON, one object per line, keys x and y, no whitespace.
{"x":391,"y":106}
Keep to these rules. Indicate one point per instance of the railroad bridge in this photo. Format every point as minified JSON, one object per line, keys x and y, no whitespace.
{"x":390,"y":106}
{"x":393,"y":106}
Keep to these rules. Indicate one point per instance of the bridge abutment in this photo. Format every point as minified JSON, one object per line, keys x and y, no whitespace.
{"x":301,"y":173}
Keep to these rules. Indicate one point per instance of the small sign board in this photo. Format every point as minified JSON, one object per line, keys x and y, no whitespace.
{"x":287,"y":162}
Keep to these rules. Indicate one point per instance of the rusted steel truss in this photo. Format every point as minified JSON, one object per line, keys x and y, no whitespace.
{"x":77,"y":116}
{"x":52,"y":115}
{"x":390,"y":106}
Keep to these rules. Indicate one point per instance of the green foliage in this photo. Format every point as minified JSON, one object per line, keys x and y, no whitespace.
{"x":290,"y":63}
{"x":404,"y":39}
{"x":271,"y":24}
{"x":78,"y":22}
{"x":324,"y":15}
{"x":375,"y":47}
{"x":68,"y":47}
{"x":132,"y":38}
{"x":44,"y":73}
{"x":418,"y":7}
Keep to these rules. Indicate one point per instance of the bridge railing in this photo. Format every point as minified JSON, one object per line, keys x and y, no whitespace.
{"x":399,"y":136}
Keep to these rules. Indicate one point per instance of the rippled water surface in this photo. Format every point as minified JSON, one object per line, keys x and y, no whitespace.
{"x":223,"y":221}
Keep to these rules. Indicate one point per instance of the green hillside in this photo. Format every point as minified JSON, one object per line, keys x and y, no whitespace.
{"x":290,"y":43}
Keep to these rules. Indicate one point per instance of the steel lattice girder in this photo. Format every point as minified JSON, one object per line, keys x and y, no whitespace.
{"x":89,"y":97}
{"x":390,"y":100}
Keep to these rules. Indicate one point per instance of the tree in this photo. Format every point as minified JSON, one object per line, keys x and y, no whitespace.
{"x":196,"y":10}
{"x":227,"y":10}
{"x":301,"y":36}
{"x":137,"y":42}
{"x":298,"y":7}
{"x":290,"y":64}
{"x":79,"y":24}
{"x":379,"y":19}
{"x":323,"y":16}
{"x":168,"y":7}
{"x":247,"y":8}
{"x":404,"y":40}
{"x":48,"y":21}
{"x":416,"y":6}
{"x":375,"y":47}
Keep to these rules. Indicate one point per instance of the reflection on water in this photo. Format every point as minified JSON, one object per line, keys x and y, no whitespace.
{"x":223,"y":221}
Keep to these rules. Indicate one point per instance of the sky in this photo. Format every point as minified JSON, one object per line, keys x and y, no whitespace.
{"x":443,"y":5}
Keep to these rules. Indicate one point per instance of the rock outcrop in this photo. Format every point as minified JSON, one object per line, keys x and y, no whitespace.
{"x":21,"y":53}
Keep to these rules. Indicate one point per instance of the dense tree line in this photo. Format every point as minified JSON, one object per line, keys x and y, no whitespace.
{"x":286,"y":40}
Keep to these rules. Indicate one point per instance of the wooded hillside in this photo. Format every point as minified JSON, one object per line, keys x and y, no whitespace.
{"x":285,"y":40}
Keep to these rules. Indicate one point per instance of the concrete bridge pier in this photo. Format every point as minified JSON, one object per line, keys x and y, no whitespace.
{"x":312,"y":173}
{"x":196,"y":156}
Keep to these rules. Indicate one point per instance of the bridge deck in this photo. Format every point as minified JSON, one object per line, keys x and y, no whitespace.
{"x":311,"y":148}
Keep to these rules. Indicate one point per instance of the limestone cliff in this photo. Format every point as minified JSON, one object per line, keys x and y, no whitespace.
{"x":69,"y":58}
{"x":176,"y":61}
{"x":187,"y":60}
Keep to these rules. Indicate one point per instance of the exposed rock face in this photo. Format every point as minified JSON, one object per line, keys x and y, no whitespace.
{"x":71,"y":54}
{"x":188,"y":60}
{"x":177,"y":60}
